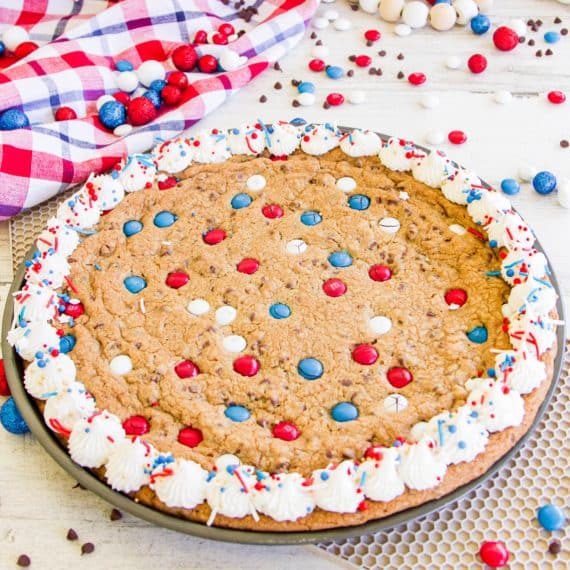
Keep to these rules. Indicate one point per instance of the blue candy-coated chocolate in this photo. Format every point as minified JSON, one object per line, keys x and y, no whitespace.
{"x":359,"y":202}
{"x":544,"y":182}
{"x":280,"y":311}
{"x":11,"y":419}
{"x":154,"y":97}
{"x":113,"y":114}
{"x":124,"y":65}
{"x":67,"y":343}
{"x":164,"y":219}
{"x":480,"y":24}
{"x":237,"y":413}
{"x":344,"y":412}
{"x":306,"y":87}
{"x":132,"y":227}
{"x":311,"y":218}
{"x":551,"y":37}
{"x":134,"y":284}
{"x":340,"y":259}
{"x":310,"y":368}
{"x":510,"y":186}
{"x":478,"y":335}
{"x":551,"y":517}
{"x":334,"y":71}
{"x":157,"y":85}
{"x":240,"y":201}
{"x":13,"y":119}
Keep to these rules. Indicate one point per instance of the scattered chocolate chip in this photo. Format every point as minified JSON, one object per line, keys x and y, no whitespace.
{"x":531,"y":42}
{"x":71,"y":535}
{"x":350,"y":73}
{"x":557,"y":20}
{"x":276,"y":66}
{"x":400,"y":56}
{"x":379,"y":71}
{"x":23,"y":561}
{"x":382,"y":53}
{"x":555,"y":547}
{"x":295,"y":82}
{"x":400,"y":75}
{"x":295,"y":103}
{"x":538,"y":23}
{"x":313,"y":35}
{"x":369,"y":43}
{"x":278,"y":85}
{"x":319,"y":43}
{"x":263,"y":99}
{"x":564,"y":143}
{"x":564,"y":32}
{"x":116,"y":515}
{"x":354,"y":7}
{"x":372,"y":71}
{"x":351,"y":57}
{"x":522,"y":40}
{"x":548,"y":52}
{"x":87,"y":548}
{"x":530,"y":23}
{"x":326,"y":105}
{"x":538,"y":53}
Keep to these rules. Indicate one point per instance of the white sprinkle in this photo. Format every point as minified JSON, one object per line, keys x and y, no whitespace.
{"x":429,"y":101}
{"x":234,"y":343}
{"x":503,"y":97}
{"x":306,"y":99}
{"x":198,"y":307}
{"x":143,"y":308}
{"x":526,"y":173}
{"x":453,"y":62}
{"x":331,"y":15}
{"x":320,"y":51}
{"x":435,"y":137}
{"x":296,"y":247}
{"x":102,"y":100}
{"x":256,"y":182}
{"x":404,"y":195}
{"x":320,"y":23}
{"x":121,"y":365}
{"x":225,"y":315}
{"x":457,"y":229}
{"x":395,"y":403}
{"x":346,"y":184}
{"x":380,"y":325}
{"x":402,"y":30}
{"x":123,"y":130}
{"x":389,"y":225}
{"x":356,"y":97}
{"x":342,"y":24}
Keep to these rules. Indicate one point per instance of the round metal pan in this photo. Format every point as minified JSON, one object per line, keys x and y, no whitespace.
{"x":35,"y":421}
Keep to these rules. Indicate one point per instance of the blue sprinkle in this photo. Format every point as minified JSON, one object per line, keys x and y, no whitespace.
{"x":240,"y":201}
{"x":551,"y":517}
{"x":13,"y":119}
{"x":325,"y":476}
{"x":154,"y":97}
{"x":157,"y":85}
{"x":124,"y":65}
{"x":231,"y":468}
{"x":310,"y":368}
{"x":211,"y":475}
{"x":311,"y":218}
{"x":551,"y":37}
{"x":11,"y":419}
{"x":306,"y":87}
{"x":544,"y":182}
{"x":452,"y":428}
{"x":237,"y":413}
{"x":260,"y":475}
{"x":461,"y":445}
{"x":478,"y":335}
{"x":491,"y":372}
{"x":344,"y":412}
{"x":42,"y":363}
{"x":510,"y":186}
{"x":38,"y":354}
{"x":480,"y":24}
{"x":113,"y":114}
{"x":340,"y":259}
{"x":493,"y":243}
{"x":164,"y":219}
{"x":66,"y":343}
{"x":132,"y":227}
{"x":298,"y":122}
{"x":359,"y":202}
{"x":280,"y":311}
{"x":334,"y":71}
{"x":510,"y":272}
{"x":134,"y":284}
{"x":474,"y":414}
{"x":97,"y":267}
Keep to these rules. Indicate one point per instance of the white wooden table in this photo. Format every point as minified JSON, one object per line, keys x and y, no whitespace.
{"x":37,"y":501}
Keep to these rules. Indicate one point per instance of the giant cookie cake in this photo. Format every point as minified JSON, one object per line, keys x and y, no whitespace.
{"x":286,"y":327}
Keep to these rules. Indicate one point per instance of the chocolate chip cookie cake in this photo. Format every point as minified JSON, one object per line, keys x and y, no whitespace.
{"x":286,"y":327}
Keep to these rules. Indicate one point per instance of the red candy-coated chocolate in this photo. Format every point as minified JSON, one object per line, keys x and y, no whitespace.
{"x":220,"y":39}
{"x":556,"y":97}
{"x":477,"y":63}
{"x":272,"y":211}
{"x":374,"y":452}
{"x":457,"y":137}
{"x":248,"y":266}
{"x":399,"y":376}
{"x":65,"y":114}
{"x":208,"y":64}
{"x":227,"y":29}
{"x":25,"y":49}
{"x":178,"y":79}
{"x":494,"y":554}
{"x":170,"y":95}
{"x":74,"y":310}
{"x":335,"y":99}
{"x":316,"y":65}
{"x":122,"y":97}
{"x":380,"y":273}
{"x":190,"y":437}
{"x":184,"y":58}
{"x":417,"y":78}
{"x":372,"y":35}
{"x":457,"y":297}
{"x":334,"y":288}
{"x":246,"y":365}
{"x":141,"y":111}
{"x":136,"y":425}
{"x":363,"y":60}
{"x":200,"y":37}
{"x":365,"y":354}
{"x":177,"y":279}
{"x":213,"y":237}
{"x":186,"y":369}
{"x":4,"y":388}
{"x":505,"y":39}
{"x":286,"y":431}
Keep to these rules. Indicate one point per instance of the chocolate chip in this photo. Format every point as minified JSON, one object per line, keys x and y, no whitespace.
{"x":263,"y":99}
{"x":278,"y":85}
{"x":372,"y":71}
{"x":382,"y":53}
{"x":400,"y":75}
{"x":557,"y":20}
{"x":530,"y":23}
{"x":23,"y":561}
{"x":400,"y":56}
{"x":538,"y":23}
{"x":548,"y":52}
{"x":295,"y":82}
{"x":564,"y":32}
{"x":531,"y":42}
{"x":116,"y":515}
{"x":555,"y":547}
{"x":538,"y":53}
{"x":326,"y":105}
{"x":369,"y":43}
{"x":319,"y":43}
{"x":71,"y":535}
{"x":564,"y":143}
{"x":295,"y":103}
{"x":313,"y":36}
{"x":379,"y":71}
{"x":87,"y":548}
{"x":521,"y":40}
{"x":354,"y":7}
{"x":276,"y":66}
{"x":351,"y":58}
{"x":350,"y":73}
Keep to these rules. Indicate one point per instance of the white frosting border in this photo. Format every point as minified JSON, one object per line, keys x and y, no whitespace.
{"x":384,"y":472}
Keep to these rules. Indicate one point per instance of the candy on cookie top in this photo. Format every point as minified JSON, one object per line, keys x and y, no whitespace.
{"x":97,"y":438}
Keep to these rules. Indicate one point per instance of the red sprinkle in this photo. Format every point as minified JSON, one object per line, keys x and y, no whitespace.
{"x":317,"y":65}
{"x":190,"y":437}
{"x":557,"y":97}
{"x":380,"y":273}
{"x":65,"y":114}
{"x":505,"y":39}
{"x":248,"y":266}
{"x":213,"y":237}
{"x":335,"y":99}
{"x":365,"y":354}
{"x":363,"y":60}
{"x":208,"y":63}
{"x":286,"y":431}
{"x":399,"y":376}
{"x":272,"y":211}
{"x":417,"y":78}
{"x":74,"y":310}
{"x":457,"y":137}
{"x":372,"y":35}
{"x":374,"y":452}
{"x":334,"y":288}
{"x":136,"y":425}
{"x":186,"y":369}
{"x":246,"y":365}
{"x":177,"y":279}
{"x":477,"y":63}
{"x":494,"y":554}
{"x":457,"y":297}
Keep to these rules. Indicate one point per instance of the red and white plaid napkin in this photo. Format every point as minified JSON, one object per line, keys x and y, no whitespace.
{"x":80,"y":43}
